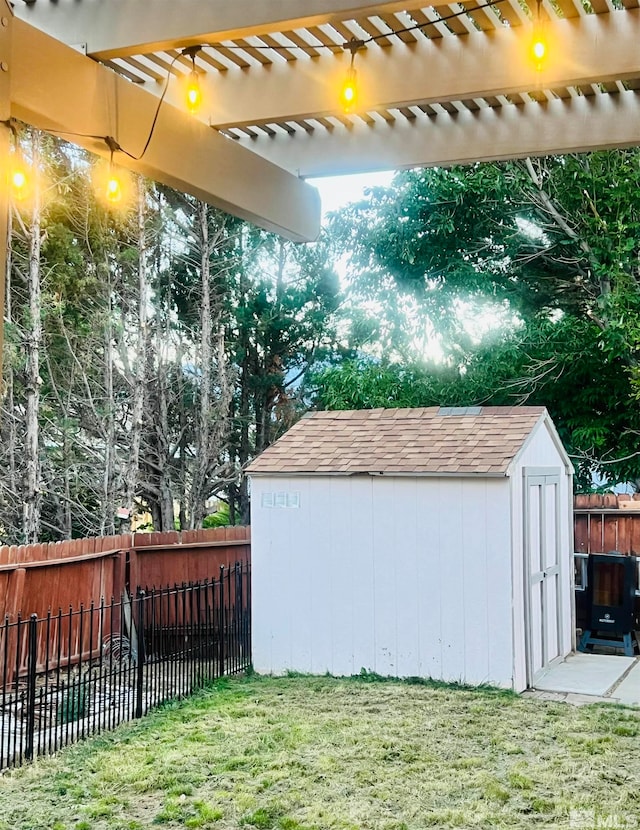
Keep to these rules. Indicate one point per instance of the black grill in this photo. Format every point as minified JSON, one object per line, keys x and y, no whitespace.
{"x":611,"y":600}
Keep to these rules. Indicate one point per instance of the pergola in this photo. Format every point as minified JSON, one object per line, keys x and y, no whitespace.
{"x":439,"y":84}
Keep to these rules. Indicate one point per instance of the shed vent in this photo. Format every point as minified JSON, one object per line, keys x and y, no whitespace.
{"x":460,"y":410}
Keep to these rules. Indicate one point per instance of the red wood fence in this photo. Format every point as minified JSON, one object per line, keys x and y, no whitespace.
{"x":38,"y":578}
{"x":604,"y":523}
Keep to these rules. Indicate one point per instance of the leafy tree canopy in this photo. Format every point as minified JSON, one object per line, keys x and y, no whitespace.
{"x":555,"y":245}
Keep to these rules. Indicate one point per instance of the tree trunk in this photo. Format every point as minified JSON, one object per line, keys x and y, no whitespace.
{"x":10,"y":409}
{"x":139,"y":379}
{"x":33,"y":343}
{"x":203,"y":430}
{"x":167,"y":518}
{"x":107,"y":524}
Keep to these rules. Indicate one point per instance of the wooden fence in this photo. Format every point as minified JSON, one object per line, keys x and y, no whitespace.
{"x":37,"y":578}
{"x":604,"y":523}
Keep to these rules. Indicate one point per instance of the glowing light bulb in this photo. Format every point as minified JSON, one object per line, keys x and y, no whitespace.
{"x":114,"y":189}
{"x":19,"y":183}
{"x":349,"y":93}
{"x":539,"y":44}
{"x":539,"y":49}
{"x":194,"y":93}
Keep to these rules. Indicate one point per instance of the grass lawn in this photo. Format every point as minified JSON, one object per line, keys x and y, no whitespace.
{"x":297,"y":753}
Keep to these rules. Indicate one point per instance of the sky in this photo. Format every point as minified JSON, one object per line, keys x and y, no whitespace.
{"x":338,"y":191}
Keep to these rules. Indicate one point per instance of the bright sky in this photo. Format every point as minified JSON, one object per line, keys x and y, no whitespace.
{"x":338,"y":191}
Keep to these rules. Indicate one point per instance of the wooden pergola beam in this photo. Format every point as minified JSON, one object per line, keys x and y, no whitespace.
{"x":479,"y":65}
{"x":130,"y":27}
{"x":570,"y":125}
{"x":56,"y":88}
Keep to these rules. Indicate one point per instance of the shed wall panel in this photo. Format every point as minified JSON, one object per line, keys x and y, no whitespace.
{"x":429,"y":576}
{"x":342,"y":575}
{"x":361,"y":554}
{"x":400,"y":576}
{"x":449,"y":495}
{"x":407,"y":592}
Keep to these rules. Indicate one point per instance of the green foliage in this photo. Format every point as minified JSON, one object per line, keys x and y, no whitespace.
{"x":550,"y":247}
{"x":219,"y":519}
{"x":554,"y":245}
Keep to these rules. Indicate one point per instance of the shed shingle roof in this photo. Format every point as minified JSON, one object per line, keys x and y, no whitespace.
{"x":402,"y":441}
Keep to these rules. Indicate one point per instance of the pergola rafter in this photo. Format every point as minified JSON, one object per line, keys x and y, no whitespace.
{"x":438,"y":84}
{"x":428,"y":72}
{"x":81,"y":99}
{"x":128,"y":27}
{"x":574,"y":124}
{"x":434,"y":88}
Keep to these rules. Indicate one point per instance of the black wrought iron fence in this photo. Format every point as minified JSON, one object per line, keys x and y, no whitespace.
{"x":80,"y":672}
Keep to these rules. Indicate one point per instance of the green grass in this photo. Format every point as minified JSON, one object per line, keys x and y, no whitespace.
{"x":302,"y":753}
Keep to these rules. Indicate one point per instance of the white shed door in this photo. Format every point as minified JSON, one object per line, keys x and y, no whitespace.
{"x":542,"y":568}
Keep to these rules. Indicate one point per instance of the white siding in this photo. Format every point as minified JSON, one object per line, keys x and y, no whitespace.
{"x":540,"y":452}
{"x":401,"y":576}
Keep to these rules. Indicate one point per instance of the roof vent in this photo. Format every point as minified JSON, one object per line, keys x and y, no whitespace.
{"x":460,"y":410}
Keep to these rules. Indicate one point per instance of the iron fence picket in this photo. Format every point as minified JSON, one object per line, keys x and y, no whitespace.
{"x":81,"y":672}
{"x":5,"y":663}
{"x":31,"y":684}
{"x":16,"y":684}
{"x":221,"y":622}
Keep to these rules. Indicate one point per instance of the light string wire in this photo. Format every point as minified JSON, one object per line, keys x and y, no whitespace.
{"x":351,"y":45}
{"x":111,"y":142}
{"x":334,"y":47}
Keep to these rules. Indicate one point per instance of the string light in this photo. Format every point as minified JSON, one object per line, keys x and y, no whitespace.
{"x":194,"y":93}
{"x":19,"y":181}
{"x":349,"y":92}
{"x":539,"y":45}
{"x":113,"y":190}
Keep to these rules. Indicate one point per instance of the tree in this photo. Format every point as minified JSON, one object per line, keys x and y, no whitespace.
{"x":555,"y":241}
{"x":285,"y":304}
{"x":151,"y":352}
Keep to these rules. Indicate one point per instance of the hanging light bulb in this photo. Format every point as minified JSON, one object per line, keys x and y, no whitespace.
{"x":349,"y":91}
{"x":19,"y":181}
{"x":113,"y":189}
{"x":539,"y":45}
{"x":193,"y":91}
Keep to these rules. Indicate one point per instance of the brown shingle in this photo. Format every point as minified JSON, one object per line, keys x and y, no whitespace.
{"x":401,"y":441}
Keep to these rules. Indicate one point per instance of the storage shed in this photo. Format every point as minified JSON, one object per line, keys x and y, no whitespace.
{"x":430,"y":542}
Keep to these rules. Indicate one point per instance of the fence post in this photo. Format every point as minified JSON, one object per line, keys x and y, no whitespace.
{"x":221,"y":650}
{"x":140,"y":663}
{"x":31,"y":684}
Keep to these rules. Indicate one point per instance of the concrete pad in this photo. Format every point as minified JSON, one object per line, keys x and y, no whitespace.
{"x":586,"y":674}
{"x":629,"y":690}
{"x":537,"y":694}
